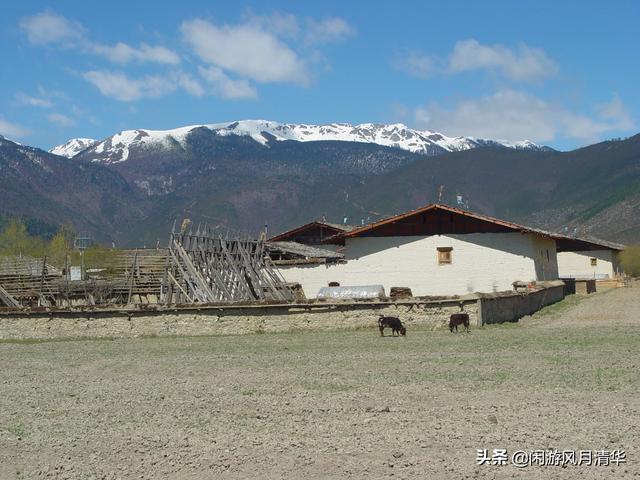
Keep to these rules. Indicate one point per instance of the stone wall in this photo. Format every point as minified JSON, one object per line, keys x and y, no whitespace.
{"x":225,"y":320}
{"x":157,"y":320}
{"x":513,"y":306}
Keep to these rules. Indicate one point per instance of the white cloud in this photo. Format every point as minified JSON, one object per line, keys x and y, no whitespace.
{"x":514,"y":115}
{"x":227,"y":87}
{"x":415,"y":63}
{"x":61,"y":120}
{"x":122,"y":53}
{"x":328,"y":30}
{"x":283,"y":25}
{"x":308,"y":30}
{"x":12,"y":130}
{"x":30,"y":101}
{"x":523,"y":63}
{"x":121,"y":87}
{"x":616,"y":113}
{"x":47,"y":28}
{"x":277,"y":48}
{"x":191,"y":85}
{"x":246,"y":50}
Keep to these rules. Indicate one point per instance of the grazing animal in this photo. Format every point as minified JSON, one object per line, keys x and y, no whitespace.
{"x":394,"y":324}
{"x":459,"y":319}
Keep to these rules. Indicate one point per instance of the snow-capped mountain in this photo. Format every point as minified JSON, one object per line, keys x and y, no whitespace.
{"x":7,"y":140}
{"x":117,"y":148}
{"x":73,"y":147}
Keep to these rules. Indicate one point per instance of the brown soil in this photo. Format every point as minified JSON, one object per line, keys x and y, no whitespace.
{"x":331,"y":404}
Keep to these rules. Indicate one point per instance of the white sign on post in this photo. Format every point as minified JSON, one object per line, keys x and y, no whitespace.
{"x":75,"y":273}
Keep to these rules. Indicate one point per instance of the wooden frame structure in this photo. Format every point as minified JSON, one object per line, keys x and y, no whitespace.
{"x":28,"y":281}
{"x":131,"y":276}
{"x":208,"y":266}
{"x":204,"y":265}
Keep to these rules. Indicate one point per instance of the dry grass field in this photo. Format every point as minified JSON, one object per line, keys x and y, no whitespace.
{"x":329,"y":405}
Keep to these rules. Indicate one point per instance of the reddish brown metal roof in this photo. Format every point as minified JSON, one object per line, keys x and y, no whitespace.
{"x":565,"y":243}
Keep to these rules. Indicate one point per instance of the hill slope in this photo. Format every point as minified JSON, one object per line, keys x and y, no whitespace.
{"x":595,"y":189}
{"x":50,"y":189}
{"x":241,"y":182}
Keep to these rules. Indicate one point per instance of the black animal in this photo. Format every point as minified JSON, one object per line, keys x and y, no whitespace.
{"x":393,"y":323}
{"x":459,"y":319}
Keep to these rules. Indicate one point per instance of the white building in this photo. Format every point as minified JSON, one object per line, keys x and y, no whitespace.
{"x":434,"y":250}
{"x":600,"y":261}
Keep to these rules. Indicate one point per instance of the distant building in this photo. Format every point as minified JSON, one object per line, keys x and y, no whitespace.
{"x":594,"y":259}
{"x":434,"y":250}
{"x":313,"y":233}
{"x":437,"y":250}
{"x":294,"y":253}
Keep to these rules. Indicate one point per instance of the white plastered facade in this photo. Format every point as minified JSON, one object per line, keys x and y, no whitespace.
{"x":480,"y":262}
{"x":581,"y":264}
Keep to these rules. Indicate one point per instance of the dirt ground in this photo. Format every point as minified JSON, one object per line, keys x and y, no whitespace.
{"x":332,"y":404}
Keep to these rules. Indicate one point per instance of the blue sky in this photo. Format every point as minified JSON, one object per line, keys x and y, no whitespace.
{"x":563,"y":74}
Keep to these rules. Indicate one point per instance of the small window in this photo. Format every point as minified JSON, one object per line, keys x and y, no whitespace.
{"x":444,"y":255}
{"x":594,"y":262}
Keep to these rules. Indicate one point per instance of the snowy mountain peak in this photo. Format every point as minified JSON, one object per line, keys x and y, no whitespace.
{"x":73,"y":147}
{"x":5,"y":139}
{"x":117,"y":147}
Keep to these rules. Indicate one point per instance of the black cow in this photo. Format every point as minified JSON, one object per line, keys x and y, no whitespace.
{"x":459,"y":319}
{"x":393,"y":323}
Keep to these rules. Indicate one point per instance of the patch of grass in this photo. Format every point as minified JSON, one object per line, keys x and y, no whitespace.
{"x":557,"y":308}
{"x":503,"y":325}
{"x":15,"y":428}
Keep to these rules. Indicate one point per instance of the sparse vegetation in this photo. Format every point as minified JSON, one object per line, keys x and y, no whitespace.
{"x":15,"y":239}
{"x":630,"y":259}
{"x":560,"y":307}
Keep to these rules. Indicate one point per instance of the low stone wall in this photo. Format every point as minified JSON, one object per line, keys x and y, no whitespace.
{"x":225,"y":320}
{"x":513,"y":306}
{"x":157,"y":320}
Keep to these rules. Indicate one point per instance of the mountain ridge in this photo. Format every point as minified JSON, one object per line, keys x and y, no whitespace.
{"x":73,"y":146}
{"x":236,"y":181}
{"x":116,"y":148}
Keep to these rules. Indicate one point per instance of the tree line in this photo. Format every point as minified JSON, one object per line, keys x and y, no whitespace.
{"x":630,"y":260}
{"x":15,"y":240}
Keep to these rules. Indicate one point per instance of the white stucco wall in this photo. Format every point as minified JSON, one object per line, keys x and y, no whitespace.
{"x":578,"y":264}
{"x":480,"y":263}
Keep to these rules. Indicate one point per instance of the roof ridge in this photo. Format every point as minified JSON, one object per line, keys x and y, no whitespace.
{"x":479,"y":216}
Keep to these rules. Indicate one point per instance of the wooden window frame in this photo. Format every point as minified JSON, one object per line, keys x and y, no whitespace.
{"x":445,"y":257}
